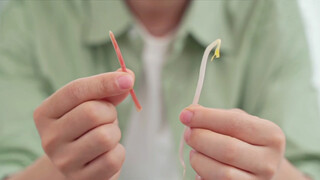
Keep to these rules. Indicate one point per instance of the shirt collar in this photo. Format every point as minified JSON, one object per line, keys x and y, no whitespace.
{"x":204,"y":22}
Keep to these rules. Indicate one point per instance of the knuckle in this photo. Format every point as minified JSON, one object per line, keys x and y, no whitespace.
{"x":114,"y":164}
{"x":278,"y":139}
{"x":227,"y":175}
{"x":62,"y":164}
{"x":112,"y":111}
{"x":49,"y":143}
{"x":192,"y":140}
{"x":122,"y":153}
{"x":194,"y":137}
{"x":38,"y":120}
{"x":37,"y":115}
{"x":230,"y":153}
{"x":99,"y":111}
{"x":193,"y":161}
{"x":269,"y":170}
{"x":117,"y":133}
{"x":91,"y":111}
{"x":104,"y":139}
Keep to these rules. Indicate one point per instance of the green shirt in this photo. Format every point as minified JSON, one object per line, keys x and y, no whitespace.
{"x":264,"y":69}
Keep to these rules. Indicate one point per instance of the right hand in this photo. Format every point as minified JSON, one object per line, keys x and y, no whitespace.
{"x":78,"y":126}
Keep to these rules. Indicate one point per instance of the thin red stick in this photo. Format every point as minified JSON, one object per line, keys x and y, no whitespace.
{"x":124,"y":69}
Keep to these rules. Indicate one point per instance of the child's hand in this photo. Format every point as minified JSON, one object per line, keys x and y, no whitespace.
{"x":231,"y":144}
{"x":78,"y":126}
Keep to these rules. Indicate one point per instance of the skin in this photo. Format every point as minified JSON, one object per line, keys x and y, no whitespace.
{"x":79,"y":132}
{"x":231,"y":144}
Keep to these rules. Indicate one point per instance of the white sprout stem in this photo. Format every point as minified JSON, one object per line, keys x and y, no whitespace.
{"x":203,"y":67}
{"x":181,"y":158}
{"x":216,"y":43}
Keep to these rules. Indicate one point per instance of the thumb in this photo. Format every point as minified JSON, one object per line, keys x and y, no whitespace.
{"x":115,"y":100}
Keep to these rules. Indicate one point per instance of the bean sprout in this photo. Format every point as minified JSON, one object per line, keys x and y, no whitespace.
{"x":217,"y":44}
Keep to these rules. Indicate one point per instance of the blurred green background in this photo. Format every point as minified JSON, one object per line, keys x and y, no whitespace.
{"x":310,"y":10}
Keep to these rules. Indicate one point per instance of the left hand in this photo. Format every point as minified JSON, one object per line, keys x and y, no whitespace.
{"x":231,"y":144}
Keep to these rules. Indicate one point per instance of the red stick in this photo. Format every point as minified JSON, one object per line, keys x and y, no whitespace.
{"x":124,"y":69}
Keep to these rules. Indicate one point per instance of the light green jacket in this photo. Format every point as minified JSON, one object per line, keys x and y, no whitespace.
{"x":264,"y":68}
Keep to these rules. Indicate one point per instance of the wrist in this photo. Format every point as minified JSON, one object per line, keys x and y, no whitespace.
{"x":39,"y":170}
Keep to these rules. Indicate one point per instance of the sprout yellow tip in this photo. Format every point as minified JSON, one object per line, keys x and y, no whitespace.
{"x":217,"y":51}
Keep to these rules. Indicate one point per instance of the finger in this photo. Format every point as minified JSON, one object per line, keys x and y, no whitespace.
{"x":227,"y":150}
{"x":85,"y":89}
{"x":83,"y":118}
{"x":119,"y":98}
{"x":238,"y":110}
{"x":232,"y":123}
{"x":74,"y":124}
{"x":116,"y":176}
{"x":96,"y":142}
{"x":76,"y":155}
{"x":210,"y":169}
{"x":105,"y":166}
{"x":198,"y":177}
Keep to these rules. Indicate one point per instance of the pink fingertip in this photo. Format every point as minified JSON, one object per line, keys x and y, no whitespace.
{"x":186,"y":117}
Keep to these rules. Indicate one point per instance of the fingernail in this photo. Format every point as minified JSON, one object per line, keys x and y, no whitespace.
{"x":186,"y":116}
{"x":125,"y":82}
{"x":187,"y":134}
{"x":198,"y":177}
{"x":192,"y":153}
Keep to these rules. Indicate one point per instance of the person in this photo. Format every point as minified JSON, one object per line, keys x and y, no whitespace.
{"x":52,"y":51}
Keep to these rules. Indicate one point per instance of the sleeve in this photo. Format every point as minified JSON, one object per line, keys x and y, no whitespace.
{"x":21,"y":90}
{"x":280,"y":86}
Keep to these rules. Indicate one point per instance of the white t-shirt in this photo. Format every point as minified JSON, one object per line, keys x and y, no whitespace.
{"x":148,"y":140}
